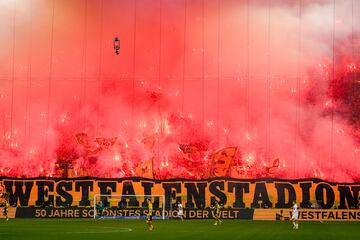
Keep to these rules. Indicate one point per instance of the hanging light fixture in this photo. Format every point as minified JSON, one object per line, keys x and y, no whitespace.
{"x":116,"y":45}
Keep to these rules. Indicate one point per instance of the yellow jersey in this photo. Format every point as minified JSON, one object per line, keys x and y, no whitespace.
{"x":217,"y":208}
{"x":150,"y":209}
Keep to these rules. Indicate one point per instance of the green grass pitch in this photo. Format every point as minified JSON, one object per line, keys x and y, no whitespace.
{"x":108,"y":229}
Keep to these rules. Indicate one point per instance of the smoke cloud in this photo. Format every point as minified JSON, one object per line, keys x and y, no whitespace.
{"x":271,"y":78}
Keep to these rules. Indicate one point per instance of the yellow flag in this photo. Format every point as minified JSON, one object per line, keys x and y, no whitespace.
{"x":145,"y":169}
{"x":222,"y":160}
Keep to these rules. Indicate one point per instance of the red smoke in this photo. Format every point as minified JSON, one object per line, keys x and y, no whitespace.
{"x":192,"y":78}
